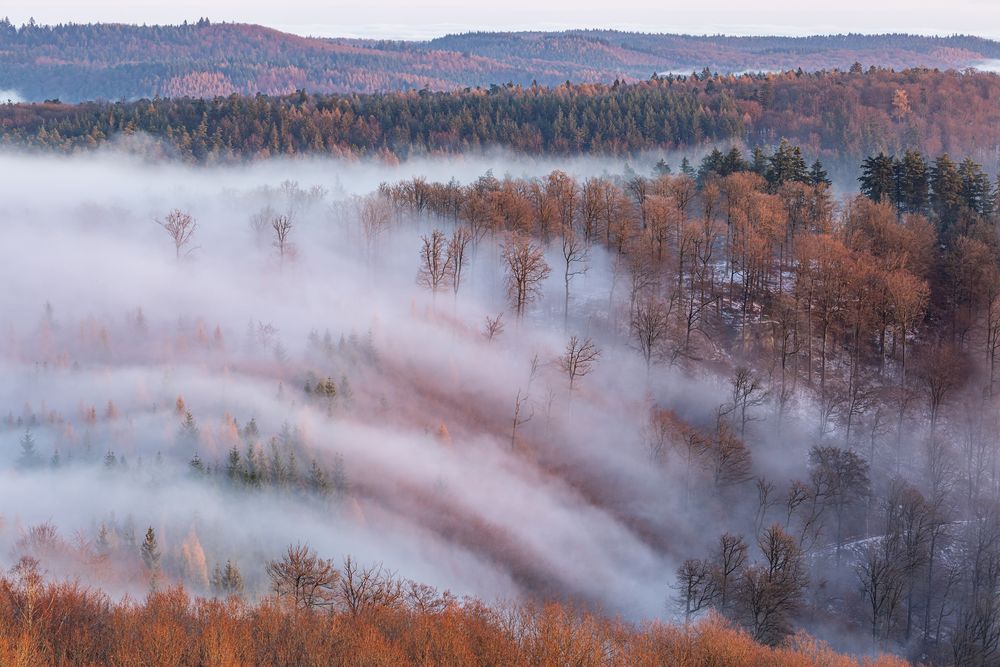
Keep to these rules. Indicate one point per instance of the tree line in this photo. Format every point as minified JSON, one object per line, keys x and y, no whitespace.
{"x":832,"y":115}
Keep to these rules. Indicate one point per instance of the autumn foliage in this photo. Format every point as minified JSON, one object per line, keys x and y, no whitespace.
{"x":66,"y":624}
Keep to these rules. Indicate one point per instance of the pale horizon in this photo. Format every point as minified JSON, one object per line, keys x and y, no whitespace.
{"x":394,"y":19}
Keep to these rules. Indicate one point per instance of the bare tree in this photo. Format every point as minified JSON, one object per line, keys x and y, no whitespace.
{"x":303,"y":578}
{"x":180,"y":226}
{"x":365,"y":588}
{"x":650,"y":327}
{"x":526,"y":269}
{"x":260,"y":222}
{"x":282,"y":226}
{"x":456,"y":252}
{"x":494,"y":326}
{"x":374,"y":213}
{"x":523,"y":412}
{"x":770,"y":592}
{"x":695,"y":586}
{"x":729,"y":561}
{"x":433,"y":272}
{"x":881,"y":582}
{"x":579,"y":358}
{"x":748,"y":392}
{"x":575,"y":252}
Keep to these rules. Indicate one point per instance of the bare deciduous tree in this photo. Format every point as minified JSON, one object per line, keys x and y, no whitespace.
{"x":574,"y":252}
{"x":494,"y":326}
{"x":526,"y":269}
{"x":180,"y":226}
{"x":456,"y":252}
{"x":523,"y":412}
{"x":282,"y":226}
{"x":579,"y":358}
{"x":303,"y":578}
{"x":365,"y":588}
{"x":650,"y":327}
{"x":434,"y":270}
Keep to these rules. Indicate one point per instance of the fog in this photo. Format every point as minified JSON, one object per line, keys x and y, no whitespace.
{"x":109,"y":340}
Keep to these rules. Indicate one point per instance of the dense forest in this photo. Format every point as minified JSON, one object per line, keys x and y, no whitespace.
{"x":835,"y":116}
{"x":204,"y":59}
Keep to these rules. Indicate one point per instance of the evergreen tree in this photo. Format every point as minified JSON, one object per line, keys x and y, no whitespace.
{"x":878,"y":178}
{"x":818,"y":175}
{"x":946,"y":192}
{"x":759,"y":162}
{"x":196,"y":466}
{"x":318,"y":482}
{"x":227,"y":580}
{"x":150,"y":550}
{"x":103,"y":538}
{"x":977,"y":191}
{"x":234,"y":466}
{"x":686,"y":167}
{"x":786,"y":165}
{"x":911,"y":183}
{"x":187,"y":434}
{"x":28,"y":457}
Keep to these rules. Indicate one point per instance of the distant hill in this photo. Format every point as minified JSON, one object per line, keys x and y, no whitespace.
{"x":113,"y":61}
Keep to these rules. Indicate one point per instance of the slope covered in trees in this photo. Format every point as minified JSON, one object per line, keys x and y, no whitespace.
{"x":723,"y":390}
{"x":112,"y":61}
{"x":833,"y":116}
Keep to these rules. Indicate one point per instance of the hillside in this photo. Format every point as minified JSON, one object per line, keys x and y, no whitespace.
{"x":839,"y":117}
{"x":112,"y":61}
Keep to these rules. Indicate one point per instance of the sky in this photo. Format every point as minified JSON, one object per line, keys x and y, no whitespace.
{"x":403,"y":19}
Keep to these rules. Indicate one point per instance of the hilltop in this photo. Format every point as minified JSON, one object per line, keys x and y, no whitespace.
{"x":113,"y":61}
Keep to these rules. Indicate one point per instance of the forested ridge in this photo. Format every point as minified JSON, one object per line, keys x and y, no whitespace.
{"x":831,"y":115}
{"x":204,"y":59}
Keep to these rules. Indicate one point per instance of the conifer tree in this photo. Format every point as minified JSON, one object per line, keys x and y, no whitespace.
{"x":150,"y":550}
